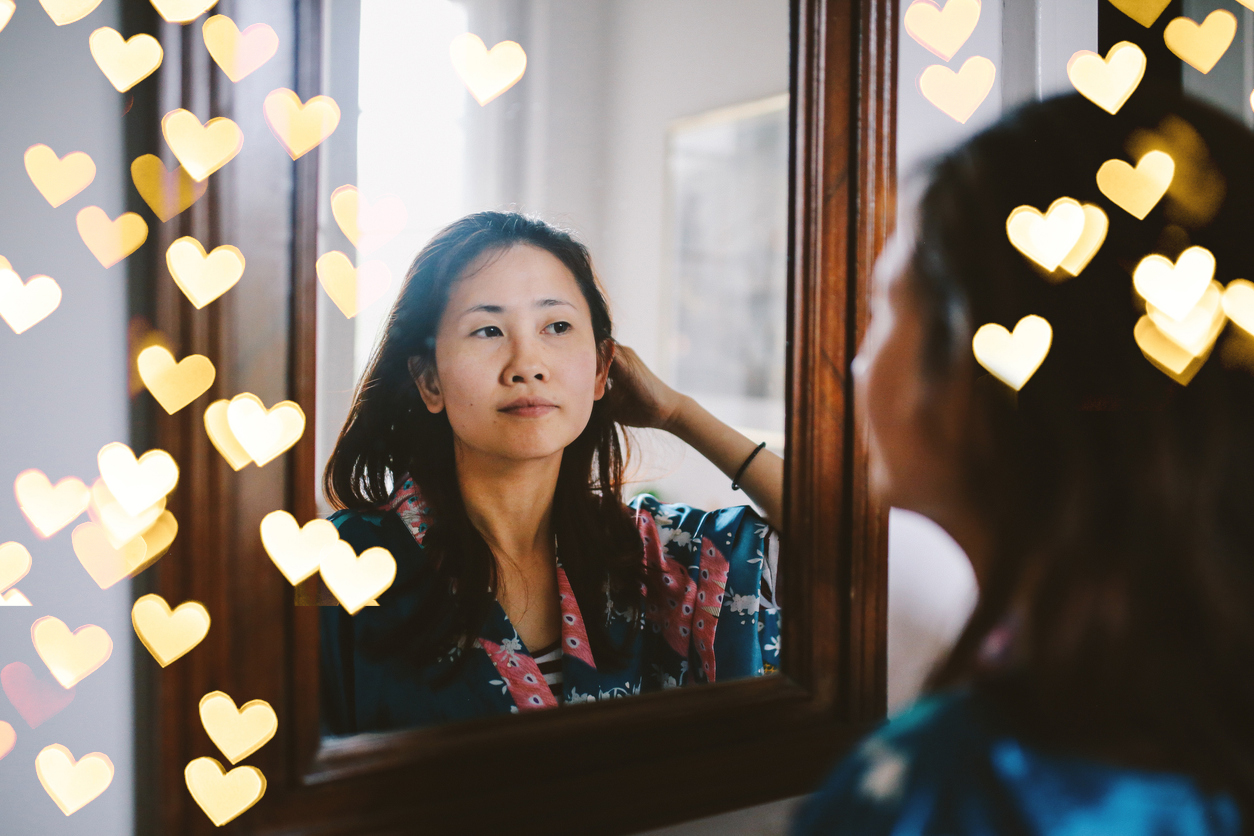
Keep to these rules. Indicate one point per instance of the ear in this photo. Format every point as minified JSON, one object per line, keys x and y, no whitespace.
{"x":605,"y":359}
{"x":428,"y":383}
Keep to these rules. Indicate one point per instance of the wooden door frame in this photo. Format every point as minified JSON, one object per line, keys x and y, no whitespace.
{"x":616,"y":762}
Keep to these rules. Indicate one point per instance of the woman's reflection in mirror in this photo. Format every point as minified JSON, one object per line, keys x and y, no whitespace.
{"x":483,"y":449}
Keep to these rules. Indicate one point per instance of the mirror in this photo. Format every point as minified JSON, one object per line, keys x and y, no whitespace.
{"x":658,"y":136}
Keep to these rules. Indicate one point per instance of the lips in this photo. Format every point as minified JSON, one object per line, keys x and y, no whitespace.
{"x":528,"y":407}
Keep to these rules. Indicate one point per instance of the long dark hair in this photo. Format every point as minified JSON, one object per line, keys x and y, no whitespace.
{"x":1121,"y":501}
{"x":389,"y":432}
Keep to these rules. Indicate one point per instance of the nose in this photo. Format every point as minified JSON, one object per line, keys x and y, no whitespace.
{"x":526,"y":362}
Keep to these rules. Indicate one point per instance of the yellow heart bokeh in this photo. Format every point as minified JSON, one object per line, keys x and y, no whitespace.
{"x":137,"y":484}
{"x":72,"y":784}
{"x":1238,"y":304}
{"x":958,"y":94}
{"x":223,"y":795}
{"x":1175,"y":288}
{"x":169,"y":634}
{"x":25,"y":305}
{"x":14,"y":598}
{"x":1144,"y":12}
{"x":201,"y":149}
{"x":166,"y":192}
{"x":182,"y":11}
{"x":238,"y":53}
{"x":1014,"y":357}
{"x":50,"y":509}
{"x":300,"y":127}
{"x":219,"y":431}
{"x":157,"y":540}
{"x":174,"y":385}
{"x":203,"y":276}
{"x":237,"y":732}
{"x":1107,"y":83}
{"x":293,"y":548}
{"x":58,"y":178}
{"x":1137,"y":190}
{"x":356,"y":580}
{"x":68,"y":11}
{"x":1047,"y":238}
{"x":264,"y":434}
{"x":110,"y":241}
{"x":487,"y":74}
{"x":15,"y":563}
{"x":368,"y":226}
{"x":1201,"y":45}
{"x":120,"y":526}
{"x":942,"y":31}
{"x":1096,"y":224}
{"x":124,"y":62}
{"x":8,"y":736}
{"x":1164,"y":354}
{"x":7,"y":8}
{"x":107,"y":564}
{"x":71,"y":657}
{"x":1197,"y":331}
{"x":352,"y":289}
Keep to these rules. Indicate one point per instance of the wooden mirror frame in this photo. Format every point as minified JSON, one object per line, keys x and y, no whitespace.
{"x":611,"y":760}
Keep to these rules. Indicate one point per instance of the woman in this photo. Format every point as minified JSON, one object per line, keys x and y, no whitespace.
{"x":1105,"y":681}
{"x":482,"y":451}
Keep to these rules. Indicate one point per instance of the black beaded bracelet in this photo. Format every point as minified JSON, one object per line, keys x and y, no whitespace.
{"x":741,"y":472}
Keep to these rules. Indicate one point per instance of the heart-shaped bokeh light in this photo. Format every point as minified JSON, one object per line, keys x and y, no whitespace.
{"x":50,"y":508}
{"x":1201,"y":45}
{"x":167,"y":192}
{"x":124,"y":62}
{"x":487,"y":74}
{"x":1107,"y":82}
{"x":72,"y":784}
{"x":237,"y":732}
{"x":298,"y":126}
{"x":238,"y":53}
{"x":1014,"y":357}
{"x":942,"y":31}
{"x":352,"y":289}
{"x":169,"y":634}
{"x":70,"y":657}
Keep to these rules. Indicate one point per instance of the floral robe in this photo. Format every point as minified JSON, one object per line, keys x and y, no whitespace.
{"x":708,"y":610}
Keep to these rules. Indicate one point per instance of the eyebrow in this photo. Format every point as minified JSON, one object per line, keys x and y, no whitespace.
{"x":540,"y":303}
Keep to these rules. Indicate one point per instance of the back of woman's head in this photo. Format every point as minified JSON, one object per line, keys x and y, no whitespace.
{"x":1119,"y":494}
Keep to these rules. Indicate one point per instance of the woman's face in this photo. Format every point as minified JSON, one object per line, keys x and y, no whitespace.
{"x":914,"y":425}
{"x":516,"y":365}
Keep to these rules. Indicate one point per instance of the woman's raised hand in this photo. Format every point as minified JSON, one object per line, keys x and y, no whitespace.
{"x":640,"y":397}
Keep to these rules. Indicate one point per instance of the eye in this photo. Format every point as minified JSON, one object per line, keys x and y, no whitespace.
{"x":561,"y":326}
{"x":498,"y":331}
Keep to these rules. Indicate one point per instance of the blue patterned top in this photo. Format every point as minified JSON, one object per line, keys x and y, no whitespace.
{"x":946,"y":767}
{"x":704,"y":609}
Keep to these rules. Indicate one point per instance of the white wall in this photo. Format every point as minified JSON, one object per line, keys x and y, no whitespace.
{"x":63,"y":397}
{"x":931,"y":588}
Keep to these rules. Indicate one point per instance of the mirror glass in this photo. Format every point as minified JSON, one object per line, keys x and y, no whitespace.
{"x":656,"y":134}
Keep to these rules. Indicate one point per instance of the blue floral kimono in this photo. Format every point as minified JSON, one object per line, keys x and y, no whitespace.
{"x":947,"y":767}
{"x":707,"y":608}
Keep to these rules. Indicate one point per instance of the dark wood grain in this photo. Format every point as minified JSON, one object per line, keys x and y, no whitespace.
{"x":616,"y":763}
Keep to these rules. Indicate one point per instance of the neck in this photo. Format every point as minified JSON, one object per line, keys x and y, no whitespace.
{"x":510,"y":502}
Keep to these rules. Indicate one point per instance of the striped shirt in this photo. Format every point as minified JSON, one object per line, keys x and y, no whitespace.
{"x":549,"y":660}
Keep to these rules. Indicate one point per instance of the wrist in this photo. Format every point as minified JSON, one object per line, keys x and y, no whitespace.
{"x":676,"y":418}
